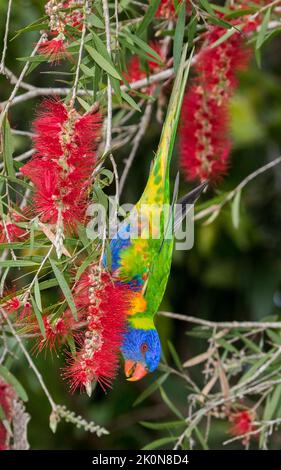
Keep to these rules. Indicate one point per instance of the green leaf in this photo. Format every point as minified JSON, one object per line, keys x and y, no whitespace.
{"x":11,"y":380}
{"x":36,"y":25}
{"x":159,"y":443}
{"x":201,"y":439}
{"x":275,"y":337}
{"x":84,"y":265}
{"x":71,"y":344}
{"x":272,"y":403}
{"x":106,"y":65}
{"x":263,"y":29}
{"x":227,"y":346}
{"x":151,"y":389}
{"x":178,"y":38}
{"x":8,"y":148}
{"x":250,"y":344}
{"x":235,"y":209}
{"x":271,"y":406}
{"x":116,"y":88}
{"x":48,"y":284}
{"x":87,"y":71}
{"x":38,"y":315}
{"x":13,"y":179}
{"x":2,"y":414}
{"x":65,"y":288}
{"x":84,"y":104}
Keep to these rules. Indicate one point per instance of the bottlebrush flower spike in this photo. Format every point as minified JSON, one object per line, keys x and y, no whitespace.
{"x":242,"y":423}
{"x":61,"y":169}
{"x":7,"y":395}
{"x":103,"y":304}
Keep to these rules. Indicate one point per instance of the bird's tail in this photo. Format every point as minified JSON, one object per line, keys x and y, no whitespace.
{"x":159,"y":175}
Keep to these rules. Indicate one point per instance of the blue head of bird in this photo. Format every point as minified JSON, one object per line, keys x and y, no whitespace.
{"x":141,"y":350}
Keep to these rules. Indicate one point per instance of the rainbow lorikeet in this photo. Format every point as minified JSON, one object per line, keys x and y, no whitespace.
{"x":143,"y":261}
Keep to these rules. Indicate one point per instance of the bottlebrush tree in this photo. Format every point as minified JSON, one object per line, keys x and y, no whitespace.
{"x":107,"y":69}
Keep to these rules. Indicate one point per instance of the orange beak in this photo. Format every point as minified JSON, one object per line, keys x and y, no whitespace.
{"x":134,"y":370}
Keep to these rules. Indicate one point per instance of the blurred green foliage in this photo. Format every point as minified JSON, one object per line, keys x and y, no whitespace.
{"x":229,"y":274}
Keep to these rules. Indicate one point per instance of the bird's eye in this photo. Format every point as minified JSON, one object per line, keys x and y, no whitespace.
{"x":144,"y":347}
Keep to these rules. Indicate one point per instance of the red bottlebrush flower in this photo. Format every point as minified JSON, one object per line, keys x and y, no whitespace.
{"x":54,"y":49}
{"x":204,"y":142}
{"x":204,"y":132}
{"x":166,"y":9}
{"x":136,"y":72}
{"x":242,"y":423}
{"x":19,"y":305}
{"x":7,"y":395}
{"x":103,"y":304}
{"x":48,"y":127}
{"x":62,"y":166}
{"x":10,"y":232}
{"x":75,"y":17}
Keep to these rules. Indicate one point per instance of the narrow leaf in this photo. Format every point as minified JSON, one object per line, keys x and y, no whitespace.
{"x":148,"y":17}
{"x":151,"y":389}
{"x":8,"y":148}
{"x":263,"y":29}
